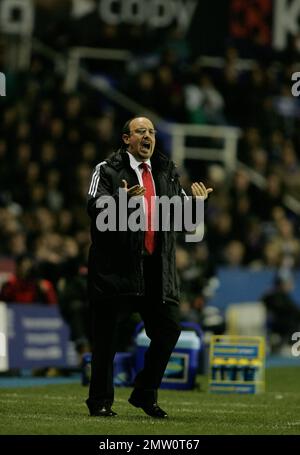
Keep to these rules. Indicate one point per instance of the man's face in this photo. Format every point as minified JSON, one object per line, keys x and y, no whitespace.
{"x":141,"y":139}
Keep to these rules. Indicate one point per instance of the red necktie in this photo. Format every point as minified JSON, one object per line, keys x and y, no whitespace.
{"x":149,"y":187}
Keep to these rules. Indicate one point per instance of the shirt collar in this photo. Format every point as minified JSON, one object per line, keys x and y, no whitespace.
{"x":134,"y":163}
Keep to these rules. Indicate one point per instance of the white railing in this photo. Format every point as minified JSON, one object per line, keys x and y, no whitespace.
{"x":219,"y":62}
{"x":76,"y":54}
{"x":227,"y":138}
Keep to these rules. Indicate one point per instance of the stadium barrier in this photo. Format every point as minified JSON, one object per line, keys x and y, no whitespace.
{"x":34,"y":336}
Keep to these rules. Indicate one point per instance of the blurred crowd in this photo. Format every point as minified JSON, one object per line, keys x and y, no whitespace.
{"x":50,"y":141}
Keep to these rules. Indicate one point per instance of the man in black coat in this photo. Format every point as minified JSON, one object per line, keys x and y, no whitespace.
{"x":133,"y":269}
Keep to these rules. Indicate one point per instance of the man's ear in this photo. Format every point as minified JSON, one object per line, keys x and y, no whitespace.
{"x":125,"y":138}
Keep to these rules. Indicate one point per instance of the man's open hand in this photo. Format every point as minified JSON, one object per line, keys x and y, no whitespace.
{"x":135,"y":190}
{"x":200,"y":190}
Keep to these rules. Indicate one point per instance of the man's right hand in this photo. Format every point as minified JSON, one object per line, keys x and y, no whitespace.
{"x":135,"y":190}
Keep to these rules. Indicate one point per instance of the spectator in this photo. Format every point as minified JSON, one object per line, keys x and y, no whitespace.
{"x":289,"y":244}
{"x":234,"y":254}
{"x":24,"y":287}
{"x":272,"y":255}
{"x":203,"y":102}
{"x":72,"y":293}
{"x":283,"y":314}
{"x":289,"y":169}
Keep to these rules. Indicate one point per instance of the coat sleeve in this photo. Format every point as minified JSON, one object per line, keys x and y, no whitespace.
{"x":101,"y":184}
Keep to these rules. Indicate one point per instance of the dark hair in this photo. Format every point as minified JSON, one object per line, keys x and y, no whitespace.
{"x":125,"y":130}
{"x":126,"y":127}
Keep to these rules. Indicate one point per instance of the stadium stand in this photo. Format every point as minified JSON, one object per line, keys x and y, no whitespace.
{"x":51,"y":138}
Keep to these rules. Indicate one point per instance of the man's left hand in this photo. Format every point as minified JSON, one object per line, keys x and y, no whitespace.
{"x":200,"y":190}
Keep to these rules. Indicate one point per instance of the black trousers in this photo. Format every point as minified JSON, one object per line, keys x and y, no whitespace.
{"x":162,"y":325}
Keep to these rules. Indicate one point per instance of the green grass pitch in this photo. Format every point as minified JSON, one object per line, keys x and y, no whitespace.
{"x":60,"y":410}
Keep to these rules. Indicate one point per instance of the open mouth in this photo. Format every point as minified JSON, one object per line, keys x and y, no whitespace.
{"x":146,"y":145}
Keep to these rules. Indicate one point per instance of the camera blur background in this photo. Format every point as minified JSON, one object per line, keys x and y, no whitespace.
{"x":216,"y":79}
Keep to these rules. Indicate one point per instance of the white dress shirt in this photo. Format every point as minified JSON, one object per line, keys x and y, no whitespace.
{"x":134,"y":164}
